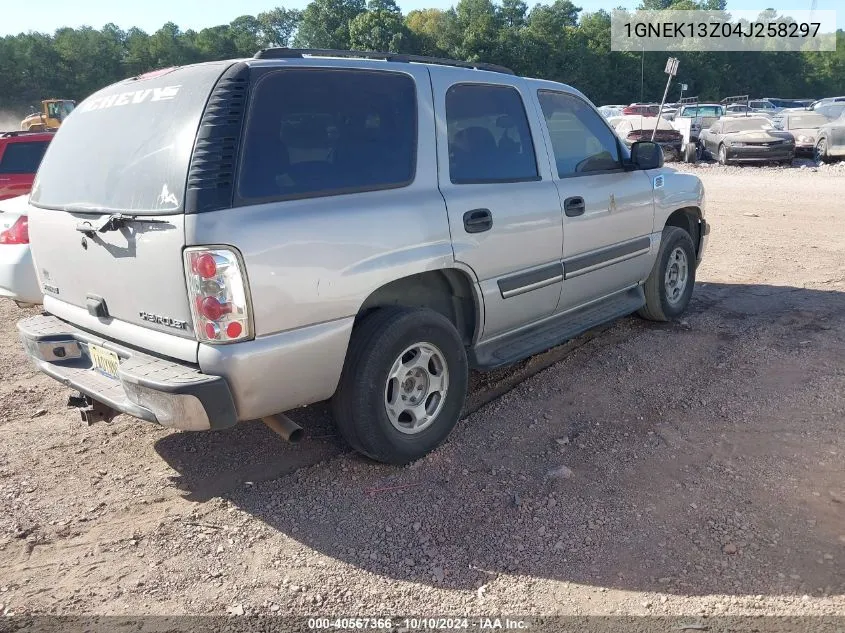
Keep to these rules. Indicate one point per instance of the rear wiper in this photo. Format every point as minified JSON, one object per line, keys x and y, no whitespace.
{"x":115,"y":222}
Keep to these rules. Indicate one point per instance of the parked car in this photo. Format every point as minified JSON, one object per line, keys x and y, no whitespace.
{"x":20,"y":155}
{"x":668,"y":113}
{"x":803,"y":125}
{"x":641,"y":109}
{"x":639,"y":128}
{"x":610,"y":111}
{"x":17,"y":272}
{"x":701,"y":116}
{"x":832,"y":110}
{"x":743,"y":139}
{"x":738,"y":109}
{"x":827,"y":100}
{"x":783,"y":104}
{"x":830,"y":141}
{"x":763,"y":105}
{"x":382,"y":226}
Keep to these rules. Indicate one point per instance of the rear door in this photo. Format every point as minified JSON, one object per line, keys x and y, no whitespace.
{"x":19,"y":160}
{"x":504,"y":213}
{"x":124,"y":150}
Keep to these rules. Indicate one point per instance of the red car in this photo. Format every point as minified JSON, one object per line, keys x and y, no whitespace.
{"x":641,"y":109}
{"x":20,"y":155}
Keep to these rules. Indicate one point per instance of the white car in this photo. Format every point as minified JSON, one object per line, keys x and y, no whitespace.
{"x":17,"y":272}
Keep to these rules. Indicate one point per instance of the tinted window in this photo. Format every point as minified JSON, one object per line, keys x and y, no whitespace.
{"x":489,"y":137}
{"x":581,"y":140}
{"x":22,"y":158}
{"x":128,"y":146}
{"x":318,"y":132}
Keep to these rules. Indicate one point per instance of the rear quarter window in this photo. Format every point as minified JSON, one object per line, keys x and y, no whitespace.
{"x":319,"y":132}
{"x":22,"y":157}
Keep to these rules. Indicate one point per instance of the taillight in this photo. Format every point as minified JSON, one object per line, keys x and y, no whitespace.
{"x":218,"y":294}
{"x":18,"y":233}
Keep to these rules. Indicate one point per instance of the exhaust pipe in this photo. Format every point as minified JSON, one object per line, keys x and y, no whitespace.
{"x":284,"y":426}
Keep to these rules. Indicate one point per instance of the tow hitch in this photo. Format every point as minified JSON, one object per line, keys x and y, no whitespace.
{"x":91,"y":410}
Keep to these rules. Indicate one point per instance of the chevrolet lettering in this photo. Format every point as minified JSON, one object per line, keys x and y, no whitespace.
{"x":161,"y":320}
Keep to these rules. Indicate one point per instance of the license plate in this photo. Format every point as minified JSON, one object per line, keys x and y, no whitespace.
{"x":104,"y":361}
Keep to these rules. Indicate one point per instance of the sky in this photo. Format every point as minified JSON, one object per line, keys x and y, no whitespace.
{"x":17,"y":16}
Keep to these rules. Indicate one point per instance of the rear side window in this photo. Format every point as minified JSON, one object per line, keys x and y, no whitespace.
{"x":316,"y":132}
{"x":22,"y":158}
{"x":489,"y":137}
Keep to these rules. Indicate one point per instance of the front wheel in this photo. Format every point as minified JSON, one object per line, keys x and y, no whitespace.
{"x":403,"y":385}
{"x":820,"y":151}
{"x":723,"y":155}
{"x":669,"y":285}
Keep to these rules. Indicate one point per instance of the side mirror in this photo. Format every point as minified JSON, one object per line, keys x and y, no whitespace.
{"x":646,"y":155}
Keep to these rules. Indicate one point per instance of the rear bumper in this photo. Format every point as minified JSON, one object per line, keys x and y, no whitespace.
{"x":17,"y":274}
{"x":170,"y":393}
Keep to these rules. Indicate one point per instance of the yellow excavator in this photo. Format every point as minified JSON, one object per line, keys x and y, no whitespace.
{"x":53,"y":112}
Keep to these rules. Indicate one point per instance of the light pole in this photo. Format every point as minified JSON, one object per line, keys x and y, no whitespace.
{"x":642,"y":76}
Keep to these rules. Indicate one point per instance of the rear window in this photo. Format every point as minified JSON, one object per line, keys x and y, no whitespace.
{"x":316,"y":132}
{"x":128,"y":146}
{"x":22,"y":158}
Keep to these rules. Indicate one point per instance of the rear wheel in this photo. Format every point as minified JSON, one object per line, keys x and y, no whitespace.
{"x":403,"y":386}
{"x":669,"y":286}
{"x":723,"y":155}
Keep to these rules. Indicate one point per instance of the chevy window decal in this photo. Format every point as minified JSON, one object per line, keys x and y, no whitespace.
{"x":133,"y":97}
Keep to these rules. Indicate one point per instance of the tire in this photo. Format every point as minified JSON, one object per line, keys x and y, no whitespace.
{"x":820,"y":151}
{"x":723,"y":155}
{"x":659,"y":305}
{"x":361,"y":403}
{"x":691,"y":153}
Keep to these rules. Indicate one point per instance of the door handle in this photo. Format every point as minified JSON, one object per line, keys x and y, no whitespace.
{"x":574,"y":206}
{"x":478,"y":221}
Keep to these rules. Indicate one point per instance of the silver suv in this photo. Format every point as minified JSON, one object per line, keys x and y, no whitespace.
{"x":231,"y":240}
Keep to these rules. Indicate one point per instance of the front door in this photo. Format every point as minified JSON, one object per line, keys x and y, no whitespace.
{"x":504,"y":211}
{"x":608,"y":211}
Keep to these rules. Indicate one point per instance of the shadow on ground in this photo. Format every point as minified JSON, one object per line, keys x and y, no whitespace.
{"x":700,"y":457}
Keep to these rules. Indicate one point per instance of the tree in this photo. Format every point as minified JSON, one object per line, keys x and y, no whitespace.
{"x":278,"y":26}
{"x":433,"y":32}
{"x":380,"y":30}
{"x":325,"y":23}
{"x":479,"y":25}
{"x":246,"y":35}
{"x":552,"y":41}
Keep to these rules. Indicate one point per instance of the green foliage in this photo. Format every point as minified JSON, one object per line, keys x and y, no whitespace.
{"x":553,"y":41}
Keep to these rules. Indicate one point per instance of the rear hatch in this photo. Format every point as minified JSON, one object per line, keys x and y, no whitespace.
{"x":125,"y":150}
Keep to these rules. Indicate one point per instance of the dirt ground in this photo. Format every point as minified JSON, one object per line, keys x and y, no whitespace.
{"x":704,"y":469}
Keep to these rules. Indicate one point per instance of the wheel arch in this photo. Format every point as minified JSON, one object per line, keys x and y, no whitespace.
{"x":452,"y":292}
{"x":688,"y":219}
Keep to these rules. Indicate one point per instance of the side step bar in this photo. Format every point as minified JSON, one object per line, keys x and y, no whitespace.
{"x":512,"y":348}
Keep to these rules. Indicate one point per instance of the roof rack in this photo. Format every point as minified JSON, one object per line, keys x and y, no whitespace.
{"x":688,"y":100}
{"x":737,"y":100}
{"x":287,"y":53}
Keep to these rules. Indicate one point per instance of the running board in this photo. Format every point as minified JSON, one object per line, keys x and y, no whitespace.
{"x":538,"y":338}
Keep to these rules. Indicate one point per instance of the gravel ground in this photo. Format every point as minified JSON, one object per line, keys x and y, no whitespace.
{"x":693,"y":468}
